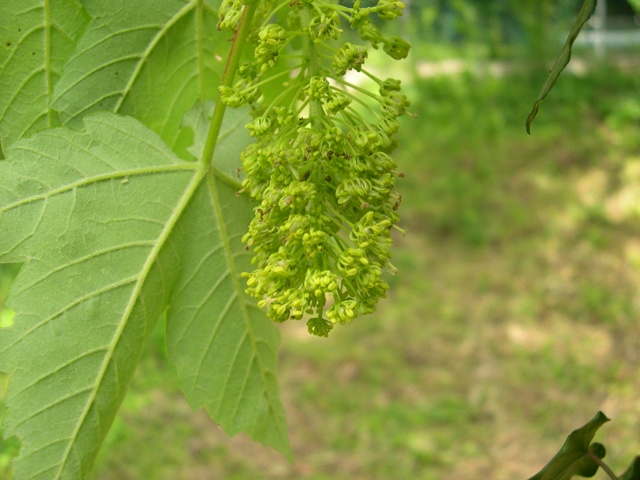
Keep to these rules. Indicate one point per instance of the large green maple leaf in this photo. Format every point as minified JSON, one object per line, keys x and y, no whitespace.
{"x":114,"y":227}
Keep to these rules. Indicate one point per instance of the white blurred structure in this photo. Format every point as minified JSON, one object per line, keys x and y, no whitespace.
{"x":608,"y":31}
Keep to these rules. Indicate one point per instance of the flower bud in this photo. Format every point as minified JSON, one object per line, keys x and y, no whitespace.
{"x":336,"y":102}
{"x":229,"y":96}
{"x":318,"y":87}
{"x":349,"y":57}
{"x":389,"y":9}
{"x":259,"y":126}
{"x":389,"y":85}
{"x":247,"y":70}
{"x":271,"y":39}
{"x":229,"y":14}
{"x":325,"y":27}
{"x":396,"y":48}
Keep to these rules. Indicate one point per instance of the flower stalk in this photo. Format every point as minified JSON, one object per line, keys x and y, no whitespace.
{"x":237,"y":46}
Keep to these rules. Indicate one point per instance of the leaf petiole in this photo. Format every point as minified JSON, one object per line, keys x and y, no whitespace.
{"x":603,"y":465}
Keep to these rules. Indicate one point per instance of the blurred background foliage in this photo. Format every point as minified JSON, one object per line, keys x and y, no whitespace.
{"x":514,"y":315}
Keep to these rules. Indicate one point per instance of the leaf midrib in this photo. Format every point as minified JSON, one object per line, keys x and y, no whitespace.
{"x":135,"y":295}
{"x":213,"y":191}
{"x":145,"y":54}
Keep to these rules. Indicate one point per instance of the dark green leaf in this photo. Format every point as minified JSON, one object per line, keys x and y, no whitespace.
{"x":633,"y":472}
{"x":562,"y":60}
{"x":574,"y":456}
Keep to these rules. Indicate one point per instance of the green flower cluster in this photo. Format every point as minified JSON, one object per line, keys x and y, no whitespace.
{"x":320,"y":169}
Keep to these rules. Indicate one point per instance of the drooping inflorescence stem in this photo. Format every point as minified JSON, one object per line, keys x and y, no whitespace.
{"x":320,"y":168}
{"x":245,"y":20}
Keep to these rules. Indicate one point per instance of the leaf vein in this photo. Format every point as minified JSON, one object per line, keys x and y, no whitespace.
{"x":80,"y":260}
{"x":19,"y":89}
{"x":245,"y":381}
{"x":214,"y":333}
{"x":51,"y":405}
{"x":75,"y":303}
{"x":157,"y":37}
{"x":58,"y":369}
{"x":198,"y":309}
{"x":200,"y":265}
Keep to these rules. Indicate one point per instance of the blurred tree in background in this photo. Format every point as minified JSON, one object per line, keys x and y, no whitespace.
{"x":500,"y":28}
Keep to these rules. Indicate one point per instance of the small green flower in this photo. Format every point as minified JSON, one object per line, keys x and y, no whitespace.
{"x":284,"y":115}
{"x":247,"y":70}
{"x":394,"y":104}
{"x":259,"y":126}
{"x":349,"y":57}
{"x":229,"y":14}
{"x":319,"y":327}
{"x":229,"y":96}
{"x":343,"y":311}
{"x":318,"y":87}
{"x":396,"y":48}
{"x":325,"y":27}
{"x":244,"y":91}
{"x":271,"y":39}
{"x":389,"y":9}
{"x":389,"y":85}
{"x":353,"y":187}
{"x":382,"y":162}
{"x":335,"y":102}
{"x":318,"y":283}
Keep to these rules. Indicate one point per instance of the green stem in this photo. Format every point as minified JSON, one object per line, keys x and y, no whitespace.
{"x":272,"y":77}
{"x":357,"y":88}
{"x":239,"y":40}
{"x":365,"y":106}
{"x":279,"y":98}
{"x":275,"y":11}
{"x":371,"y":76}
{"x":311,"y":54}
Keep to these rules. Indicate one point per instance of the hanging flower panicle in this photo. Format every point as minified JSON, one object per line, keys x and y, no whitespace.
{"x":320,"y":170}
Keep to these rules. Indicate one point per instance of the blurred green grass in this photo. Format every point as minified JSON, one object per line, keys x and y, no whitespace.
{"x":512,"y":320}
